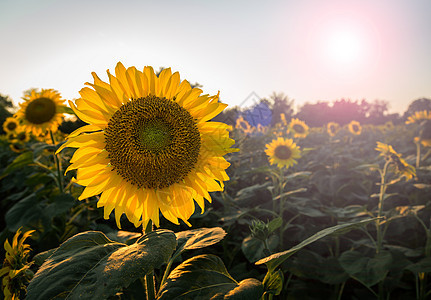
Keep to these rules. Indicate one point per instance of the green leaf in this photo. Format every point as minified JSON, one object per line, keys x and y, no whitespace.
{"x":422,"y":266}
{"x":40,"y":258}
{"x":274,"y":260}
{"x":422,"y":185}
{"x":91,"y":266}
{"x":300,"y":190}
{"x":368,"y":271}
{"x":205,"y":277}
{"x":274,"y":225}
{"x":249,"y":288}
{"x":24,"y":212}
{"x":273,"y":282}
{"x":19,"y":162}
{"x":60,"y":204}
{"x":199,"y":238}
{"x":254,"y":249}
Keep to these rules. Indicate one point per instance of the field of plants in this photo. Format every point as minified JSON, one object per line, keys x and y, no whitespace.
{"x":330,"y":212}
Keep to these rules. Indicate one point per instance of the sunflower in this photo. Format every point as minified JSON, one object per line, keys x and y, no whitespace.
{"x":243,"y":125}
{"x":418,"y":116}
{"x":149,"y":145}
{"x":41,"y":111}
{"x":401,"y":166}
{"x":10,"y":124}
{"x":282,"y":152}
{"x":283,"y":119}
{"x":22,"y":136}
{"x":389,"y":125}
{"x":15,"y":270}
{"x":298,"y":128}
{"x":355,"y":127}
{"x":332,"y":128}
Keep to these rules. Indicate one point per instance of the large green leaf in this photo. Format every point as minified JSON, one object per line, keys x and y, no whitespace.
{"x":274,"y":260}
{"x":19,"y":162}
{"x":199,"y":238}
{"x":24,"y":212}
{"x":205,"y":277}
{"x":91,"y":266}
{"x":366,"y":270}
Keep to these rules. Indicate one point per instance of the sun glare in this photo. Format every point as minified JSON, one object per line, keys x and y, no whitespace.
{"x":344,"y":47}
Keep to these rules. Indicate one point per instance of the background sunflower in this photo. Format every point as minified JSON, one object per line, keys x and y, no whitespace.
{"x":355,"y":127}
{"x":282,"y":152}
{"x":41,"y":111}
{"x":10,"y":125}
{"x":298,"y":128}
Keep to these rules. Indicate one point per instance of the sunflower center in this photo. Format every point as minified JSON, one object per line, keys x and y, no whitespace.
{"x":298,"y":128}
{"x":11,"y":126}
{"x":21,"y":136}
{"x":40,"y":110}
{"x":282,"y":152}
{"x":355,"y":128}
{"x":152,"y":142}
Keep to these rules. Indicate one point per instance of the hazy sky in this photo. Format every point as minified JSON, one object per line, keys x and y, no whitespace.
{"x":310,"y":50}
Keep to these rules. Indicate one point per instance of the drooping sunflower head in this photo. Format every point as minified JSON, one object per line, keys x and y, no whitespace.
{"x":41,"y":111}
{"x":355,"y":127}
{"x":419,"y":116}
{"x":150,"y":146}
{"x":332,"y":128}
{"x":15,"y":269}
{"x":401,"y":166}
{"x":11,"y":124}
{"x":282,"y":152}
{"x":298,"y":128}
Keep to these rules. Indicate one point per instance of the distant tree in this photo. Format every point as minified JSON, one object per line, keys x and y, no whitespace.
{"x":280,"y":103}
{"x":376,"y":112}
{"x":343,"y":111}
{"x":315,"y":115}
{"x":6,"y":105}
{"x":417,"y":105}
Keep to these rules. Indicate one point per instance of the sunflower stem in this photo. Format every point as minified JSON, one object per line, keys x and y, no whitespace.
{"x":418,"y":154}
{"x":58,"y":165}
{"x":149,"y":278}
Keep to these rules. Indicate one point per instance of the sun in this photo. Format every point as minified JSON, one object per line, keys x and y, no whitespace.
{"x":344,"y":46}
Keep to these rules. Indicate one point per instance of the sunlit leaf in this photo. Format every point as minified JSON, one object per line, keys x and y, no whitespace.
{"x":206,"y":277}
{"x":274,"y":260}
{"x":91,"y":266}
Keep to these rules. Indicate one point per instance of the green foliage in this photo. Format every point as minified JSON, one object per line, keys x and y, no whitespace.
{"x":274,"y":260}
{"x":206,"y":277}
{"x":90,"y":266}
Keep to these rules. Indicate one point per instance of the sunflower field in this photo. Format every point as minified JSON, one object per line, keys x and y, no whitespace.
{"x":148,"y":197}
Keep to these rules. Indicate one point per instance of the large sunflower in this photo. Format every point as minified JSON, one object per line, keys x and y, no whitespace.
{"x":150,"y":146}
{"x":282,"y":152}
{"x":355,"y":127}
{"x":298,"y":128}
{"x":41,"y":111}
{"x":11,"y":124}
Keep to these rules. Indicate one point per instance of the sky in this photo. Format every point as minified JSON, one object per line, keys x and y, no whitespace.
{"x":309,"y":50}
